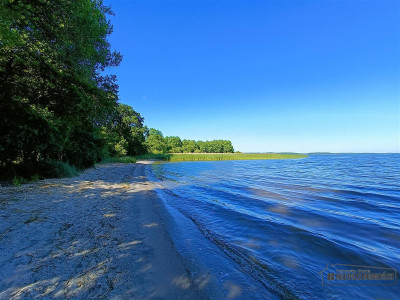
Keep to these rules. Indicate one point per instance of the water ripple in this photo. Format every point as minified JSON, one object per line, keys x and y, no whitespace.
{"x":283,"y":221}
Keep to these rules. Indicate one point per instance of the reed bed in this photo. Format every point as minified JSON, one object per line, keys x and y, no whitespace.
{"x":123,"y":160}
{"x":219,"y":156}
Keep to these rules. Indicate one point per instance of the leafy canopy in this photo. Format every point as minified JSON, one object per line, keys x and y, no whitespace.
{"x":53,"y":99}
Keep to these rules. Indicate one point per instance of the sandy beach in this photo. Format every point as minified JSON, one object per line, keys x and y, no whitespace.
{"x":98,"y":235}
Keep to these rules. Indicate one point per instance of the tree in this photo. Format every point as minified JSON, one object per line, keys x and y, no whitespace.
{"x":155,"y":142}
{"x":125,"y":134}
{"x":53,"y":99}
{"x":189,"y":146}
{"x":174,"y":144}
{"x":200,"y":145}
{"x":215,"y":146}
{"x":227,"y":147}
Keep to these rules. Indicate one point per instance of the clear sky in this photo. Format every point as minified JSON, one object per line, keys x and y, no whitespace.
{"x":299,"y":76}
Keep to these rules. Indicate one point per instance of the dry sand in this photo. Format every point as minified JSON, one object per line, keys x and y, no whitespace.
{"x":99,"y":235}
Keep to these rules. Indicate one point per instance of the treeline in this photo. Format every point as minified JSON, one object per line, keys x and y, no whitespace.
{"x":58,"y":111}
{"x":157,"y":143}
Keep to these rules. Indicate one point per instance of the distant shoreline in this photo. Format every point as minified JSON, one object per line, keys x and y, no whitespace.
{"x":220,"y":156}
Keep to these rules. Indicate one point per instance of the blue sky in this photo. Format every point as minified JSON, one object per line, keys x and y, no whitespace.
{"x":299,"y":76}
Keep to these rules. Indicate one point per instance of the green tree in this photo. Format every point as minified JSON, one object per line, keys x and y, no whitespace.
{"x":215,"y":146}
{"x":189,"y":146}
{"x":155,"y":142}
{"x":174,"y":144}
{"x":53,"y":98}
{"x":200,"y":145}
{"x":227,"y":147}
{"x":125,"y":134}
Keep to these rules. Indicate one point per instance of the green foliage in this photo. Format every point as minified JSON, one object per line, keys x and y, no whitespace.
{"x":123,"y":159}
{"x":24,"y":172}
{"x":120,"y":148}
{"x":125,"y":133}
{"x":216,"y":146}
{"x":58,"y":169}
{"x":159,"y":156}
{"x":174,"y":144}
{"x":35,"y":177}
{"x":17,"y":181}
{"x":53,"y":100}
{"x":189,"y":146}
{"x":155,"y":142}
{"x":220,"y":156}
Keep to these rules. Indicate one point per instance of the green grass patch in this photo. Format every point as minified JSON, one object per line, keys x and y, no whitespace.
{"x":219,"y":156}
{"x":154,"y":156}
{"x":122,"y":159}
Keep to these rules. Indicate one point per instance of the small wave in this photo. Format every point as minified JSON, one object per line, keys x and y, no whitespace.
{"x":283,"y":221}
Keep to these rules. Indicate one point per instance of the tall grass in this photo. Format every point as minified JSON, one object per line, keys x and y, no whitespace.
{"x":24,"y":173}
{"x":219,"y":156}
{"x":154,"y":156}
{"x":59,"y":169}
{"x":17,"y":181}
{"x":122,"y":159}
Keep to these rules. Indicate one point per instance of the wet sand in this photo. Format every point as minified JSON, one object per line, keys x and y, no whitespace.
{"x":98,"y":235}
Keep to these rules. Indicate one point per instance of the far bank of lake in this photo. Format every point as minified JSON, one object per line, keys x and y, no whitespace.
{"x":221,"y":156}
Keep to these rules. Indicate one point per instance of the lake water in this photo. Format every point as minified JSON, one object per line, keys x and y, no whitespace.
{"x":267,"y":228}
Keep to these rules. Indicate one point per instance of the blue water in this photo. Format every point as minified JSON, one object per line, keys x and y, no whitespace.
{"x":280,"y":222}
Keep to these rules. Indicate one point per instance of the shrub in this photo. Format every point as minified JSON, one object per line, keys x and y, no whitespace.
{"x":17,"y":181}
{"x":64,"y":169}
{"x":57,"y":169}
{"x":35,"y":177}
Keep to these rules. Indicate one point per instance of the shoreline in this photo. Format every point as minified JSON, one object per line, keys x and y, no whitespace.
{"x":100,"y":234}
{"x":178,"y":157}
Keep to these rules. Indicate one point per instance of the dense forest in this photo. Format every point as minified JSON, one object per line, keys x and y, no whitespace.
{"x":59,"y":112}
